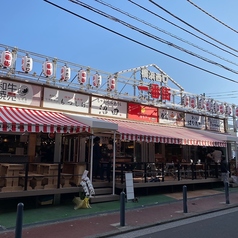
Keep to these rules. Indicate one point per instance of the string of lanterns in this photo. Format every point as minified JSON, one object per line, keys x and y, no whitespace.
{"x":65,"y":75}
{"x":47,"y":70}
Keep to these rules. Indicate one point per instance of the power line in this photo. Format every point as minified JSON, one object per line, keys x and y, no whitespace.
{"x":151,"y":35}
{"x":212,"y":16}
{"x":161,"y":30}
{"x":223,"y":92}
{"x":218,"y":47}
{"x":140,"y":43}
{"x":196,"y":29}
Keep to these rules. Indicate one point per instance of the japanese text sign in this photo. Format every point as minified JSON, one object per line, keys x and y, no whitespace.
{"x":70,"y":101}
{"x":194,"y":121}
{"x":108,"y":107}
{"x":142,"y":113}
{"x":19,"y":93}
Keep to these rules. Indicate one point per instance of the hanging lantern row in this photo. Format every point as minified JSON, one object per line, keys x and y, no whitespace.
{"x":6,"y":61}
{"x":208,"y":105}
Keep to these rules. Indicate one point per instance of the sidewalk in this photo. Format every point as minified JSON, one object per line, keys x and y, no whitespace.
{"x":103,"y":220}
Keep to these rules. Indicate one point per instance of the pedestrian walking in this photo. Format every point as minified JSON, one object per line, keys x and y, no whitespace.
{"x":224,"y":170}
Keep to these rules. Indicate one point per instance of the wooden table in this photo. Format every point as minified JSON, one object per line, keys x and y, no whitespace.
{"x":11,"y":174}
{"x":34,"y":180}
{"x":65,"y":180}
{"x":76,"y":169}
{"x":52,"y":171}
{"x":34,"y":167}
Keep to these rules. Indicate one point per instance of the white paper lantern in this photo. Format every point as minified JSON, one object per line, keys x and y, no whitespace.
{"x":82,"y":76}
{"x":201,"y":103}
{"x":222,"y":108}
{"x":111,"y":84}
{"x":228,"y":110}
{"x":6,"y":59}
{"x":208,"y":105}
{"x":236,"y":112}
{"x":65,"y":73}
{"x":26,"y":64}
{"x":97,"y":80}
{"x":185,"y":100}
{"x":47,"y":68}
{"x":215,"y":107}
{"x":193,"y":102}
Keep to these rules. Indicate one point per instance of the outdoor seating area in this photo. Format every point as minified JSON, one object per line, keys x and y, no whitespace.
{"x":33,"y":179}
{"x":160,"y":172}
{"x":34,"y":176}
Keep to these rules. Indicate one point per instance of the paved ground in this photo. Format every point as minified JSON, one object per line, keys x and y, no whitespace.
{"x":103,"y":220}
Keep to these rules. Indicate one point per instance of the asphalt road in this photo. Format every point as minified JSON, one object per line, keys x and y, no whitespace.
{"x":221,"y":224}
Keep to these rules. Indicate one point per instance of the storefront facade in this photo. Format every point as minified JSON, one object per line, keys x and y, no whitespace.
{"x":45,"y":118}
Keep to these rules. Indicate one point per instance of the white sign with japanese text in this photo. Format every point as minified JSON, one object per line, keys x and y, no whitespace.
{"x":70,"y":101}
{"x":194,"y":121}
{"x":108,"y":107}
{"x":170,"y":117}
{"x":215,"y":124}
{"x":19,"y":93}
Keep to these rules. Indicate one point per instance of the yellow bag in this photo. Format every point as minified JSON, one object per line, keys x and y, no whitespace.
{"x":79,"y":203}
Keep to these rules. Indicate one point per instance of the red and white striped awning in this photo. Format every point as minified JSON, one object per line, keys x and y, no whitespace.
{"x":137,"y":131}
{"x":22,"y":119}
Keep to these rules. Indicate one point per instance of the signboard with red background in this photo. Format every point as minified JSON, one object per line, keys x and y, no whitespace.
{"x":142,"y":113}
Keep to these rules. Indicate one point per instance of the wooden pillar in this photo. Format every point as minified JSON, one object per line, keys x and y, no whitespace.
{"x":31,"y":146}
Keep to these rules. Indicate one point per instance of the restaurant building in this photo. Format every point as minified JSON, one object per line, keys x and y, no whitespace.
{"x":50,"y":111}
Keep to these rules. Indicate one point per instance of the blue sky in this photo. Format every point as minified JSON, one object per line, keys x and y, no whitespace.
{"x":42,"y":28}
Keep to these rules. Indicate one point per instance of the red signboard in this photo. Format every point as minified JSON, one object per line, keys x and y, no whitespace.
{"x":142,"y":113}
